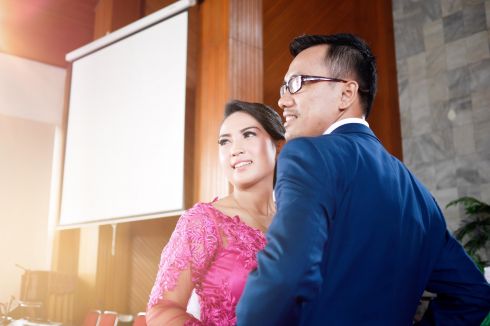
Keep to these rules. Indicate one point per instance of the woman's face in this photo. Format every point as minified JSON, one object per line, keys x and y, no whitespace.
{"x":246,"y":151}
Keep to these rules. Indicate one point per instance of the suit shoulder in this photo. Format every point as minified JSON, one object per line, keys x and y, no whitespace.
{"x":299,"y":142}
{"x":302,"y":146}
{"x":320,"y":144}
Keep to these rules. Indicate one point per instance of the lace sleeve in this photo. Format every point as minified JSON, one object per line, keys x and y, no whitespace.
{"x":192,"y":245}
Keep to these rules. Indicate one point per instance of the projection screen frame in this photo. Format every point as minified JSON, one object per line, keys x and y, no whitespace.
{"x":135,"y":27}
{"x":144,"y":23}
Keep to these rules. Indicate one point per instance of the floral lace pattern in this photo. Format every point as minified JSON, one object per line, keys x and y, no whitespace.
{"x":220,"y":251}
{"x":220,"y":306}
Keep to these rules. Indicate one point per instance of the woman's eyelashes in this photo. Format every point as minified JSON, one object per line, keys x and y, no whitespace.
{"x":245,"y":134}
{"x":248,"y":134}
{"x":223,"y":141}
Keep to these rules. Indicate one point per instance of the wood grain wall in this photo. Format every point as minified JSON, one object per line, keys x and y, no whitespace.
{"x":110,"y":15}
{"x":371,"y":20}
{"x":230,"y":67}
{"x":147,"y":240}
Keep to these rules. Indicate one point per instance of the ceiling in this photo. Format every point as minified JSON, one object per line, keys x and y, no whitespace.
{"x":45,"y":30}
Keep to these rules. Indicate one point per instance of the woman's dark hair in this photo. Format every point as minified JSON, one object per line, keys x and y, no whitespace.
{"x":347,"y":55}
{"x":265,"y":115}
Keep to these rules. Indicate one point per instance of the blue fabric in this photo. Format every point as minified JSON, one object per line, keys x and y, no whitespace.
{"x":355,"y":241}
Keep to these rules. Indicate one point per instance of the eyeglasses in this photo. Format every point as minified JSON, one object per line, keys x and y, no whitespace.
{"x":294,"y":84}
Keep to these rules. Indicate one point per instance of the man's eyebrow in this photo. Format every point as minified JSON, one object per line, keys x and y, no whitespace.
{"x":288,"y":76}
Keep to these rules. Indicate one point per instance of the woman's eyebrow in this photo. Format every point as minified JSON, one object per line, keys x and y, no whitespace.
{"x":242,"y":130}
{"x":251,"y":127}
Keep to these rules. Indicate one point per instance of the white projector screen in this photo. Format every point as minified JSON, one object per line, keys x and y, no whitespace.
{"x":124,"y":154}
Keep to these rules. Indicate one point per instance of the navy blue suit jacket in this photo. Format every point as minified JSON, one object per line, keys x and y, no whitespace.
{"x":356,"y":239}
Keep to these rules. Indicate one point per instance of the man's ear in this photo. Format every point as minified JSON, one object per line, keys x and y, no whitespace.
{"x":349,"y":94}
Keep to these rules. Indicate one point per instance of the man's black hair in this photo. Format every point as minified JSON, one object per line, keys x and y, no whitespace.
{"x":347,"y":56}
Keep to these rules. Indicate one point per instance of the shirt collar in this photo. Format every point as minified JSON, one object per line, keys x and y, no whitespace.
{"x":343,"y":122}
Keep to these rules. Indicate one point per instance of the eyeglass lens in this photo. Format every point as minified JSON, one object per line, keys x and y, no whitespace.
{"x":293,"y":85}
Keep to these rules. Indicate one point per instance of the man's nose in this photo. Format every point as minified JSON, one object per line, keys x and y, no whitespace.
{"x":286,"y":100}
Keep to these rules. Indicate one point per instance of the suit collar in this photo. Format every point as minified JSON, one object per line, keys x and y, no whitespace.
{"x":342,"y":122}
{"x":350,"y":128}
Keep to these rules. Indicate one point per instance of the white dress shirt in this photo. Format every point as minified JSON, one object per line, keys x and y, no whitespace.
{"x":343,"y":122}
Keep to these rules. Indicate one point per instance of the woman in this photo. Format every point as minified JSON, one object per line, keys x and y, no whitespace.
{"x":214,"y":245}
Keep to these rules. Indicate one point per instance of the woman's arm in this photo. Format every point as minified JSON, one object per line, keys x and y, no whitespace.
{"x":184,"y":260}
{"x":171,"y":309}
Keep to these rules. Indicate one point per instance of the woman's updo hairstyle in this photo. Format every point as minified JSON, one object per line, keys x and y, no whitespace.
{"x":265,"y":115}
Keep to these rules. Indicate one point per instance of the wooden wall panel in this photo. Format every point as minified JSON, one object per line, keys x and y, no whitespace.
{"x":150,"y":6}
{"x":128,"y":11}
{"x":111,"y":15}
{"x":230,"y":68}
{"x":147,"y":241}
{"x":193,"y":57}
{"x":65,"y":251}
{"x":212,"y":94}
{"x":371,"y":20}
{"x":103,"y":18}
{"x":112,"y":275}
{"x":87,"y":272}
{"x":284,"y":20}
{"x":246,"y":50}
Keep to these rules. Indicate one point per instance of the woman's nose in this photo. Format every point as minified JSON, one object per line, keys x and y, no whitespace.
{"x":237,"y":148}
{"x":237,"y":152}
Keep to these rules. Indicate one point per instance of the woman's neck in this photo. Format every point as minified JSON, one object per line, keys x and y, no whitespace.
{"x":257,"y":204}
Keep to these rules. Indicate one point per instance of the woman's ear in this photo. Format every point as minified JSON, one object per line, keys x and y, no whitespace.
{"x":349,"y":94}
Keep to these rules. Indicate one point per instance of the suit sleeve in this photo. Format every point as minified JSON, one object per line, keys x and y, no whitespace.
{"x":463,"y":295}
{"x":288,"y":273}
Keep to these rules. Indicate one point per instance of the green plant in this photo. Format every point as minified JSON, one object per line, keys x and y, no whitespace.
{"x":474,"y":232}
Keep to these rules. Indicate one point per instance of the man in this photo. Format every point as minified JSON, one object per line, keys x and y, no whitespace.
{"x":356,"y":238}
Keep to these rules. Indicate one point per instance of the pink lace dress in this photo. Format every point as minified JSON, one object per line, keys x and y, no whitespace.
{"x":220,"y":252}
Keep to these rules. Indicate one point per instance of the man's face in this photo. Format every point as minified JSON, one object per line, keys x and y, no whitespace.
{"x":315,"y":107}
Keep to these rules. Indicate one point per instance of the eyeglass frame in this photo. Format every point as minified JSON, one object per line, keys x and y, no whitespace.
{"x":306,"y":78}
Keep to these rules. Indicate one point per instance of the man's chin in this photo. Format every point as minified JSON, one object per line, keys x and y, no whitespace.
{"x":290,"y":135}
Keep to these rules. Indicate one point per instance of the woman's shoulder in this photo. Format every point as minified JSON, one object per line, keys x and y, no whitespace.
{"x":198,"y":224}
{"x":201,"y":211}
{"x":225,"y":206}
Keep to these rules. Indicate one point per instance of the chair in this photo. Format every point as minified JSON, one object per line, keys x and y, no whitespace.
{"x":125,"y":319}
{"x":140,"y":319}
{"x":92,"y":318}
{"x":108,"y":318}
